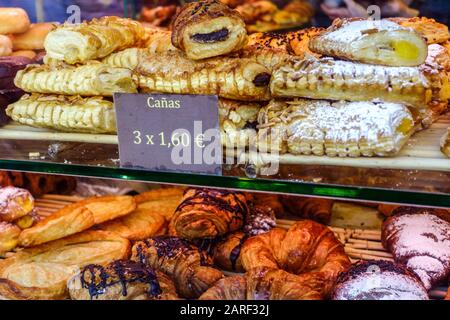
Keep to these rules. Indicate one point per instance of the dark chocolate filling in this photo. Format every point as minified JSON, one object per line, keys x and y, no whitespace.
{"x":262,"y":79}
{"x":215,"y":36}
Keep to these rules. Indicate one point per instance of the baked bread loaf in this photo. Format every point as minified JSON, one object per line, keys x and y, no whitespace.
{"x":65,"y":113}
{"x":13,"y":20}
{"x":209,"y":213}
{"x":77,"y":217}
{"x":87,"y":80}
{"x":6,"y":46}
{"x":183,"y":262}
{"x":379,"y":280}
{"x":208,"y":28}
{"x":344,"y":129}
{"x":431,"y":30}
{"x":308,"y":249}
{"x":419,"y":238}
{"x":232,"y":78}
{"x":317,"y":209}
{"x":9,"y":236}
{"x":380,"y":42}
{"x":445,"y":143}
{"x":163,"y":201}
{"x":265,"y":284}
{"x":33,"y":38}
{"x":121,"y":280}
{"x":79,"y":43}
{"x":42,"y":272}
{"x":15,"y":203}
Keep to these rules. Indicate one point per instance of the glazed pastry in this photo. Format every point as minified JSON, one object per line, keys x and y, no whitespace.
{"x":138,"y":225}
{"x":380,"y":42}
{"x":265,"y":284}
{"x":209,"y":213}
{"x":379,"y":280}
{"x":253,"y":11}
{"x":42,"y":272}
{"x":172,"y":72}
{"x":344,"y":129}
{"x":163,"y":201}
{"x":343,"y":80}
{"x":317,"y":209}
{"x":268,"y":57}
{"x":419,"y":238}
{"x":77,"y":217}
{"x":121,"y":280}
{"x":33,"y":38}
{"x":238,"y":122}
{"x":431,"y":30}
{"x":128,"y":58}
{"x":15,"y":203}
{"x":9,"y":236}
{"x":445,"y":143}
{"x":181,"y":261}
{"x":299,"y":40}
{"x":65,"y":113}
{"x":86,"y":80}
{"x":227,"y":252}
{"x":79,"y":43}
{"x":207,"y":29}
{"x":159,"y":40}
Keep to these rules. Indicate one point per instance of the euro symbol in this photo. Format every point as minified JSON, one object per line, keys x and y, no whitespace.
{"x":199,"y":140}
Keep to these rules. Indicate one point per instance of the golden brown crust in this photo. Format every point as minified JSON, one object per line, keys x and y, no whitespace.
{"x":15,"y":203}
{"x":77,"y":217}
{"x":33,"y":38}
{"x":317,"y":209}
{"x":299,"y":41}
{"x":9,"y":236}
{"x":226,"y":253}
{"x":159,"y":40}
{"x":430,"y":29}
{"x":162,"y":201}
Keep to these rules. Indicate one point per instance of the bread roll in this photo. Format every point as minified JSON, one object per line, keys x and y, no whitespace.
{"x":6,"y":46}
{"x":13,"y":20}
{"x":24,"y":53}
{"x":33,"y":38}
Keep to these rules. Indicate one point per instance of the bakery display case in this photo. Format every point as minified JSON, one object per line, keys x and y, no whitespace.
{"x":332,"y":180}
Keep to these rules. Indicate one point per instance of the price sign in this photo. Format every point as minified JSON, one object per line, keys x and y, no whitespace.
{"x":169,"y":132}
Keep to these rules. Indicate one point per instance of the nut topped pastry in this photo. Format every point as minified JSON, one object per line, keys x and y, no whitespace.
{"x":207,"y":29}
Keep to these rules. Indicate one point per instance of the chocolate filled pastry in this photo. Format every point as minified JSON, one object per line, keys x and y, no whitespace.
{"x":79,"y":43}
{"x":9,"y":236}
{"x":207,"y":29}
{"x":65,"y":113}
{"x":227,"y":252}
{"x":419,"y":238}
{"x":265,"y":284}
{"x":209,"y":213}
{"x":87,"y":80}
{"x":317,"y":209}
{"x":380,"y":42}
{"x":121,"y":280}
{"x":445,"y":143}
{"x":431,"y":30}
{"x":188,"y":266}
{"x":308,"y":249}
{"x":344,"y":80}
{"x":15,"y":203}
{"x":379,"y":280}
{"x":344,"y":129}
{"x":232,"y":78}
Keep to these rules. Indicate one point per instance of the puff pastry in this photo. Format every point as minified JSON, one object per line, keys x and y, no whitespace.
{"x":77,"y":217}
{"x":79,"y":43}
{"x":87,"y":80}
{"x":42,"y":272}
{"x":207,"y":29}
{"x":65,"y":113}
{"x":161,"y":201}
{"x":15,"y":203}
{"x":431,"y":30}
{"x":9,"y":236}
{"x":232,"y":78}
{"x":128,"y":58}
{"x":445,"y":143}
{"x":159,"y":40}
{"x":344,"y":129}
{"x":381,"y":42}
{"x":327,"y":78}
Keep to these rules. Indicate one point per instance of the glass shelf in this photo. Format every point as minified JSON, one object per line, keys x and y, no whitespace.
{"x":415,"y":187}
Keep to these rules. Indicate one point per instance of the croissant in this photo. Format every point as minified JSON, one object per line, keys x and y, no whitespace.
{"x":344,"y":129}
{"x":209,"y":213}
{"x":207,"y":29}
{"x":265,"y":284}
{"x":95,"y":39}
{"x":317,"y":209}
{"x":343,"y":80}
{"x":181,"y":261}
{"x":121,"y":280}
{"x":172,"y":72}
{"x":445,"y":143}
{"x":87,"y":80}
{"x":227,"y":253}
{"x":429,"y":29}
{"x":381,"y":42}
{"x":15,"y":203}
{"x":65,"y":113}
{"x":308,"y":249}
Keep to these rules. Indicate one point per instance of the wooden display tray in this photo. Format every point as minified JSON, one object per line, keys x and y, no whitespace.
{"x":347,"y":222}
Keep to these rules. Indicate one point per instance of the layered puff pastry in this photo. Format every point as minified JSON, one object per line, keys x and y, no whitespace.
{"x":445,"y":143}
{"x":380,"y":42}
{"x":65,"y":113}
{"x":431,"y":30}
{"x":42,"y":272}
{"x":344,"y":129}
{"x":86,"y":80}
{"x":327,"y":78}
{"x":121,"y":280}
{"x":232,"y":78}
{"x":207,"y":29}
{"x":9,"y":236}
{"x":79,"y":43}
{"x":77,"y":217}
{"x":160,"y":201}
